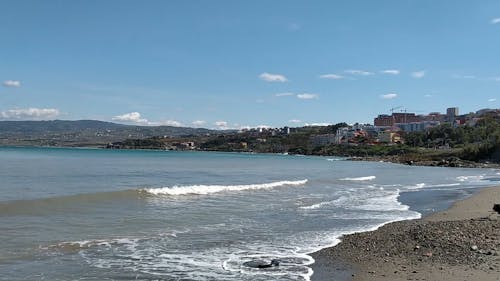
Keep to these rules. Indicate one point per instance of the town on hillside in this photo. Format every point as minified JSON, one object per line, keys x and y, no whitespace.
{"x":403,"y":137}
{"x":390,"y":129}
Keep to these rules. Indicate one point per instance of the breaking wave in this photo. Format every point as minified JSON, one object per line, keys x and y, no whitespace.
{"x":209,"y":189}
{"x":368,"y":178}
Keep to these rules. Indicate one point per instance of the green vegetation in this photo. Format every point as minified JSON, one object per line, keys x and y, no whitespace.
{"x":444,"y":143}
{"x":474,"y":143}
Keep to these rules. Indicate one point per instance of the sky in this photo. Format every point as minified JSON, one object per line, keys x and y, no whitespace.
{"x":233,"y":64}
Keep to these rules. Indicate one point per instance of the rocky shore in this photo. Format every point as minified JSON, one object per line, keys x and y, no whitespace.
{"x":462,"y":243}
{"x":453,"y":162}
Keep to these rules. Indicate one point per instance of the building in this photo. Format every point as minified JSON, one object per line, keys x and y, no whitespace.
{"x":389,"y":137}
{"x":321,"y":140}
{"x":384,"y":120}
{"x":434,"y":116}
{"x":451,"y":114}
{"x":405,"y":118}
{"x":417,"y":126}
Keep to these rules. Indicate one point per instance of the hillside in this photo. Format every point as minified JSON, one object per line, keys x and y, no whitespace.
{"x":83,"y":132}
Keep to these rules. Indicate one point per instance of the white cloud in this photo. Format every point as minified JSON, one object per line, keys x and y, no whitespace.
{"x":319,"y":124}
{"x":428,"y":96}
{"x":284,"y":94}
{"x":199,"y":122}
{"x":12,"y":83}
{"x":263,"y":127}
{"x":456,"y":76}
{"x":418,"y":74}
{"x":331,"y":76}
{"x":306,"y":96}
{"x":303,"y":96}
{"x":496,"y":79}
{"x":390,"y":71}
{"x":495,"y":21}
{"x":295,"y":121}
{"x":172,"y":123}
{"x":134,"y":117}
{"x":222,"y":125}
{"x":30,"y":114}
{"x":272,"y":77}
{"x":389,"y":96}
{"x":492,"y":100}
{"x":358,"y":72}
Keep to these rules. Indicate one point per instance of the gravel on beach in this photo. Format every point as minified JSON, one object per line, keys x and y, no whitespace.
{"x":449,"y":246}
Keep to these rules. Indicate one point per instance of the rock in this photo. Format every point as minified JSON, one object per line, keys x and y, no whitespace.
{"x":496,"y":208}
{"x":474,"y":248}
{"x":261,"y":263}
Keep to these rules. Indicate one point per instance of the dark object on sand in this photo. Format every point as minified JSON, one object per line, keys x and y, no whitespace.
{"x":496,"y":208}
{"x":261,"y":263}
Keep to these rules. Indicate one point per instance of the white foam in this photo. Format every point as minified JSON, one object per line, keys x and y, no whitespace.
{"x":444,"y":185}
{"x":367,"y":199}
{"x":209,"y":189}
{"x":86,"y":244}
{"x":415,"y":187}
{"x":470,"y":178}
{"x":368,"y":178}
{"x":382,"y":203}
{"x":317,"y":206}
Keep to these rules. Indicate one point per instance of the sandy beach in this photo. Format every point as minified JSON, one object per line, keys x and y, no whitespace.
{"x":461,"y":243}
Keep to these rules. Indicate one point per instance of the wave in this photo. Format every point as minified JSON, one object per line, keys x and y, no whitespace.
{"x":444,"y":185}
{"x":209,"y":189}
{"x":318,"y":205}
{"x":76,"y":246}
{"x":368,"y":178}
{"x":414,"y":187}
{"x":470,"y":178}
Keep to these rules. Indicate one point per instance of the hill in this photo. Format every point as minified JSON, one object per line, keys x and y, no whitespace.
{"x":84,"y":132}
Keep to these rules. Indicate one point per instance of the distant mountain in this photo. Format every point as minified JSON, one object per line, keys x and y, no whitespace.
{"x":84,"y":132}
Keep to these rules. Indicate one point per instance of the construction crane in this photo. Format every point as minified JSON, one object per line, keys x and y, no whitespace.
{"x":395,"y":108}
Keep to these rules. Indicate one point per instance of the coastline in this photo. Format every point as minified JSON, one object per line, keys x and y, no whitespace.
{"x":460,"y":243}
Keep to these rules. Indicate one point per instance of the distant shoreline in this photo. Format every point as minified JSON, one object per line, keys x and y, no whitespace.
{"x":462,"y":242}
{"x":452,"y":162}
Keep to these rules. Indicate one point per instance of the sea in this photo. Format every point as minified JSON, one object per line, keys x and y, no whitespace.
{"x":96,"y":214}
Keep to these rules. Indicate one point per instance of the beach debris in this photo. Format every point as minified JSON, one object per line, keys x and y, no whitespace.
{"x":496,"y":208}
{"x":262,"y":263}
{"x":474,"y":248}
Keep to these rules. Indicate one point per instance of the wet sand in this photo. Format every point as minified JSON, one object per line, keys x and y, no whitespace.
{"x":461,"y":243}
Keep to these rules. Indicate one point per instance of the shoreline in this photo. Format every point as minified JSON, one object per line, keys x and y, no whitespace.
{"x":459,"y":243}
{"x":448,"y":163}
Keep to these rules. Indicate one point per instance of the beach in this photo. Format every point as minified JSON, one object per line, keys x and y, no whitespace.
{"x":460,"y":243}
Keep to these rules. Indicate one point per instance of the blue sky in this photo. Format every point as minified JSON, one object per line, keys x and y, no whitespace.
{"x":228,"y":64}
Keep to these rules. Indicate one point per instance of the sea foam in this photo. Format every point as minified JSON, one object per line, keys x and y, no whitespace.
{"x":209,"y":189}
{"x":368,"y":178}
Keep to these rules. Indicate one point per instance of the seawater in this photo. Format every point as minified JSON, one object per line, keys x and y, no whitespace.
{"x":91,"y":214}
